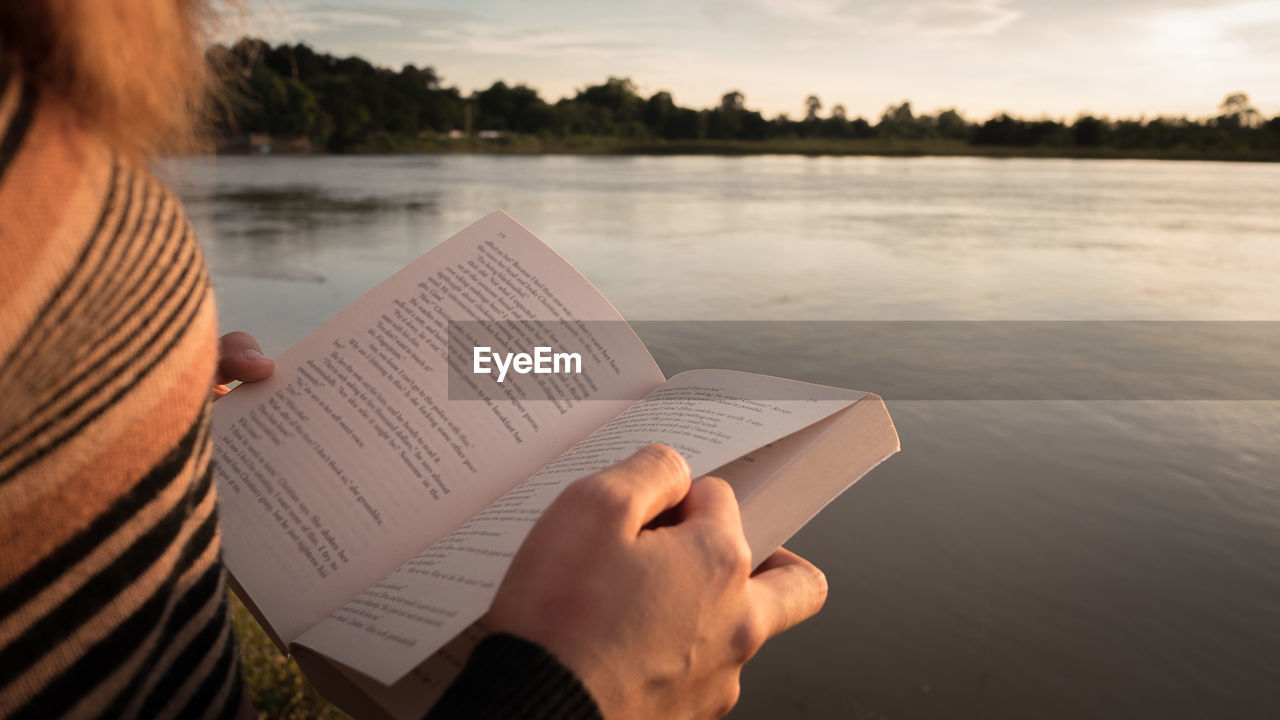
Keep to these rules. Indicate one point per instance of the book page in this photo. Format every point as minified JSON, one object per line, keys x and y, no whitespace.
{"x":710,"y":416}
{"x":409,"y":698}
{"x":783,"y":485}
{"x":352,"y":457}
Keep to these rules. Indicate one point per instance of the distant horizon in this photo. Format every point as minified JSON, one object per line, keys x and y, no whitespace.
{"x":826,"y":108}
{"x":1030,"y":59}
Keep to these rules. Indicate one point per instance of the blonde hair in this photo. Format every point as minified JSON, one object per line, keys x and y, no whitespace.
{"x":133,"y":71}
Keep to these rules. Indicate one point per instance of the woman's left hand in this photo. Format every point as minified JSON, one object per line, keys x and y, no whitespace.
{"x":240,"y":358}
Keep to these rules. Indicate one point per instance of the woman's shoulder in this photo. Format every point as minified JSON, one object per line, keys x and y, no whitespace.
{"x":108,"y":542}
{"x":105,"y":305}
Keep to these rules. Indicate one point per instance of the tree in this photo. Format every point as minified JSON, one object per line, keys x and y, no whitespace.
{"x":811,"y":107}
{"x":518,"y":109}
{"x":1000,"y":130}
{"x":837,"y":125}
{"x":951,"y":125}
{"x":899,"y":121}
{"x":1089,"y":131}
{"x":421,"y":78}
{"x":612,"y":108}
{"x":667,"y":120}
{"x":657,"y":112}
{"x":341,"y":97}
{"x":349,"y":104}
{"x":898,"y":114}
{"x":1238,"y":113}
{"x":860,"y":128}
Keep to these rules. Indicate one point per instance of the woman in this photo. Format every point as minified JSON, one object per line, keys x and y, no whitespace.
{"x":112,"y":594}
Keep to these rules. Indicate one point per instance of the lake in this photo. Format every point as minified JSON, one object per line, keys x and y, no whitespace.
{"x":1070,"y":530}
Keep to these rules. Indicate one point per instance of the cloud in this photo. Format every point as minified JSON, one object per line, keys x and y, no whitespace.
{"x":812,"y":18}
{"x":816,"y":9}
{"x":295,"y":19}
{"x":341,"y":18}
{"x":1216,"y":33}
{"x":952,"y":18}
{"x":484,"y":38}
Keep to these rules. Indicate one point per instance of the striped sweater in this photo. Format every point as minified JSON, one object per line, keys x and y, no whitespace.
{"x":112,"y":600}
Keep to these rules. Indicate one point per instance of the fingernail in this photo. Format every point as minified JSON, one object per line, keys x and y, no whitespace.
{"x":254,"y":354}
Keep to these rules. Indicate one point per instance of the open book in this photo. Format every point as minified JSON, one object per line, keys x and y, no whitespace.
{"x":372,"y":492}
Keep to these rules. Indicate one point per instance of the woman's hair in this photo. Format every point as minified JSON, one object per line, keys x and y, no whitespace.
{"x":133,"y":71}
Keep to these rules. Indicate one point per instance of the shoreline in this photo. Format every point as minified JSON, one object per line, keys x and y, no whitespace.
{"x":597,"y":145}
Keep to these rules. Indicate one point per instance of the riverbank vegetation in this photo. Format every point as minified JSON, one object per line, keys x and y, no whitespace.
{"x":293,"y":98}
{"x":277,"y":686}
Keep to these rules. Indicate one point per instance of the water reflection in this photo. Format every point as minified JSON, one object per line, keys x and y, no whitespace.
{"x":990,"y":360}
{"x":280,"y":213}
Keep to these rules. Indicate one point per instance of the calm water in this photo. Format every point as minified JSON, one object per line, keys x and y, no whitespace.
{"x":1053,"y":559}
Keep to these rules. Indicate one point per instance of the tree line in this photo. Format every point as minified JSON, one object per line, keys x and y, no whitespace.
{"x":343,"y":104}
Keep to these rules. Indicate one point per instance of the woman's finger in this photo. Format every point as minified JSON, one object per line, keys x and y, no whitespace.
{"x":241,"y":358}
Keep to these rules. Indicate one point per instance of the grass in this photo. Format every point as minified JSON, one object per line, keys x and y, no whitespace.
{"x":279,"y":690}
{"x":517,"y":144}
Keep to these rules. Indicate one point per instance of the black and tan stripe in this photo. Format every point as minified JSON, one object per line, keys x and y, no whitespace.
{"x":109,"y":360}
{"x":154,"y":623}
{"x":67,"y":617}
{"x":112,"y":592}
{"x":59,"y":562}
{"x":20,"y":121}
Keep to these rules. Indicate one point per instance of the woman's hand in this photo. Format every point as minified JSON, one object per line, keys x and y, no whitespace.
{"x":240,"y":358}
{"x":656,"y":619}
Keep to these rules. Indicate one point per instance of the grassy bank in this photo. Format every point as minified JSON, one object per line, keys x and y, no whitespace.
{"x":515,"y":144}
{"x":278,"y":689}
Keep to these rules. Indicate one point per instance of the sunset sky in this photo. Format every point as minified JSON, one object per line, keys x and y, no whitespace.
{"x":1027,"y":57}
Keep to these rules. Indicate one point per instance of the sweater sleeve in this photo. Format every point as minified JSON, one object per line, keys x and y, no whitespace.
{"x":510,"y":677}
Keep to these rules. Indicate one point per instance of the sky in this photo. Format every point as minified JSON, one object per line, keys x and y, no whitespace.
{"x":1031,"y":58}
